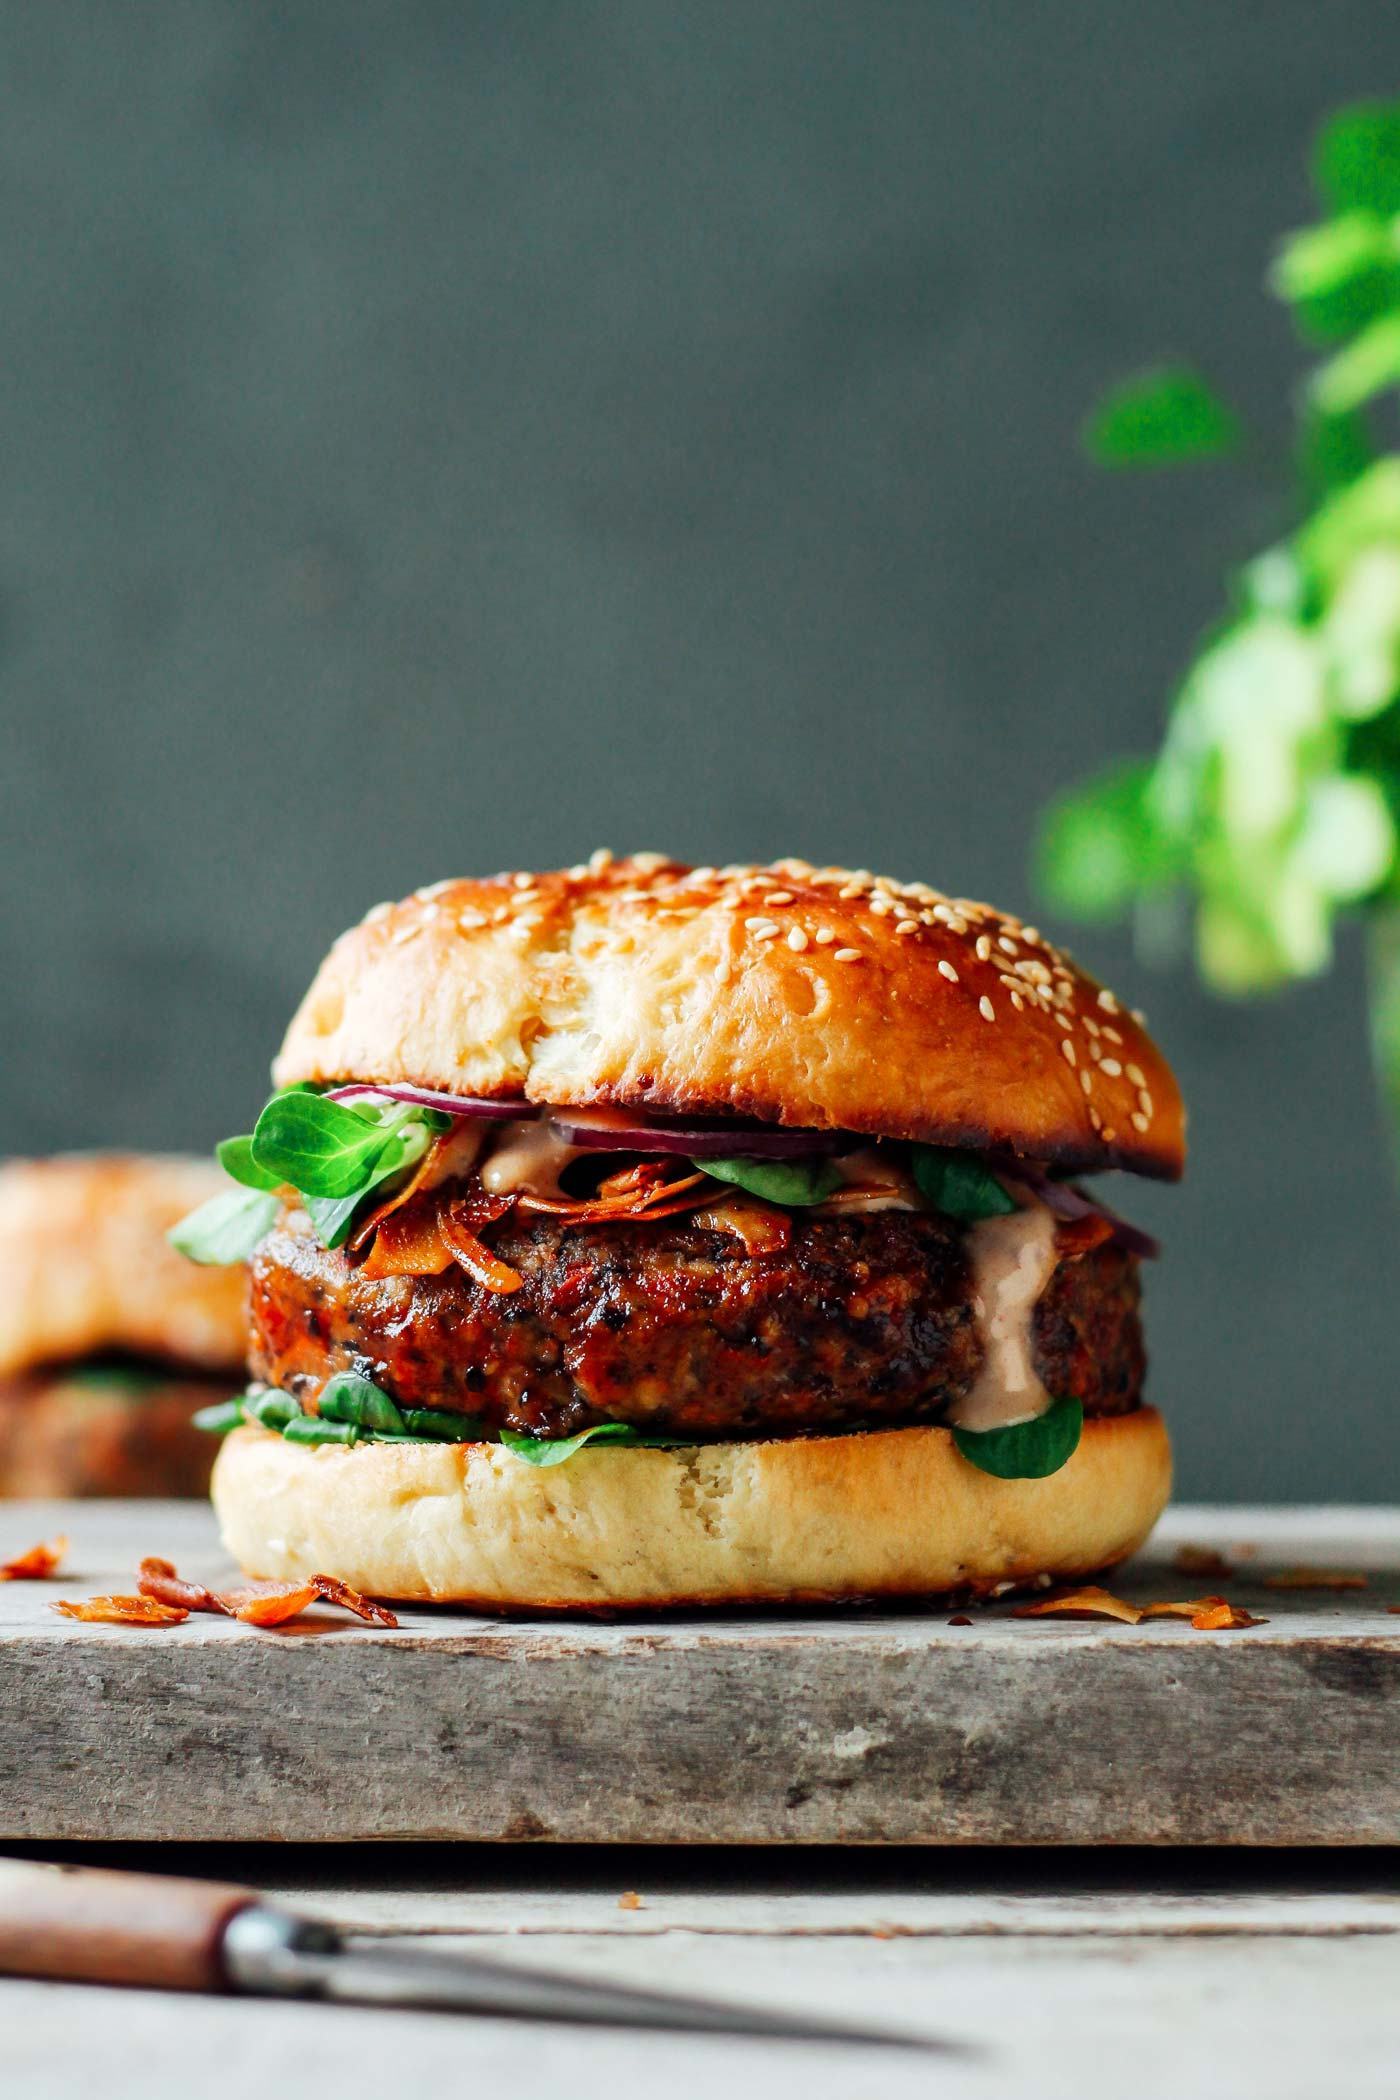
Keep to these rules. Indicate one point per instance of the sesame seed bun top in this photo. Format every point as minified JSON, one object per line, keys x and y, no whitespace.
{"x":812,"y":997}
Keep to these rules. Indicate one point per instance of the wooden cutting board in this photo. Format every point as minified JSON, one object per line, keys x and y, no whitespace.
{"x":867,"y":1726}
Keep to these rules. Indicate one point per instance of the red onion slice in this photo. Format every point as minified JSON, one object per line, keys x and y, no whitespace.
{"x":446,"y":1104}
{"x":1070,"y":1203}
{"x":614,"y":1130}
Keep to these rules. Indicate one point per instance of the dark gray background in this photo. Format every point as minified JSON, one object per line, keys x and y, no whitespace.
{"x":439,"y":437}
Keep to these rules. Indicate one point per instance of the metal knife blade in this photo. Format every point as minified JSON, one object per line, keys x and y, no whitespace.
{"x":273,"y":1951}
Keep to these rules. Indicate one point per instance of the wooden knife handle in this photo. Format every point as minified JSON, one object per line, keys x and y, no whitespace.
{"x":85,"y":1925}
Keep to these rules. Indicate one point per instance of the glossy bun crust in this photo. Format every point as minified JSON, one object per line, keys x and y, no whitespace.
{"x":804,"y":996}
{"x":896,"y":1512}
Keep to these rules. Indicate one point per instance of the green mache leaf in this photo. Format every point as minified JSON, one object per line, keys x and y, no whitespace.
{"x":349,"y":1398}
{"x":334,"y":1216}
{"x":553,"y":1451}
{"x":223,"y":1416}
{"x":235,"y":1156}
{"x":273,"y":1408}
{"x":321,"y":1147}
{"x":310,"y":1429}
{"x":439,"y":1426}
{"x":794,"y":1183}
{"x":1166,"y":417}
{"x":1027,"y":1450}
{"x":958,"y":1185}
{"x":1369,"y":364}
{"x":227,"y":1228}
{"x":1356,"y":159}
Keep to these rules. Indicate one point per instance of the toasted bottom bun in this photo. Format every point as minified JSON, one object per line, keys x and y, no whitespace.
{"x":895,"y":1512}
{"x":74,"y":1435}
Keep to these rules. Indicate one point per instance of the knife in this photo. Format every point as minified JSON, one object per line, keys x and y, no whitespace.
{"x":90,"y":1925}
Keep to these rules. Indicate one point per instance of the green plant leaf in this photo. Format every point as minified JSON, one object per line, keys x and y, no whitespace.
{"x":1346,"y":843}
{"x":1332,"y":451}
{"x":1364,"y":514}
{"x":235,"y":1156}
{"x":1340,"y":275}
{"x":795,"y":1183}
{"x":553,"y":1451}
{"x":957,"y":1184}
{"x":349,"y":1398}
{"x":220,"y":1418}
{"x":1369,"y":364}
{"x":1100,"y":846}
{"x":1356,"y":158}
{"x":1166,"y":417}
{"x":1027,"y":1450}
{"x":226,"y":1229}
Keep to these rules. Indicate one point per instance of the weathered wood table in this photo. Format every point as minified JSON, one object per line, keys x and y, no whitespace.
{"x":875,"y":1726}
{"x":1116,"y":1971}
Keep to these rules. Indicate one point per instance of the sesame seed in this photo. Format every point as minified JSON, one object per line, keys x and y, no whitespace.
{"x":1108,"y":1002}
{"x":430,"y":912}
{"x":946,"y":970}
{"x":522,"y":882}
{"x":907,"y":926}
{"x":1067,"y":1049}
{"x":703,"y":874}
{"x":722,"y":970}
{"x":1140,"y":1017}
{"x":1111,"y":1035}
{"x":778,"y":897}
{"x":881,"y":904}
{"x":1018,"y":1002}
{"x":1007,"y":945}
{"x":797,"y":940}
{"x":1111,"y":1068}
{"x":599,"y":860}
{"x":986,"y":1008}
{"x":1109,"y":1133}
{"x":945,"y":912}
{"x":824,"y":936}
{"x":1095,"y":1119}
{"x":648,"y":863}
{"x":763,"y":928}
{"x":1135,"y":1075}
{"x":1031,"y":934}
{"x":1145,"y":1103}
{"x":984,"y":947}
{"x":404,"y":933}
{"x":1138,"y":1120}
{"x":852,"y":889}
{"x":1063,"y":1021}
{"x":470,"y":920}
{"x":846,"y":954}
{"x":377,"y":912}
{"x":1085,"y":1079}
{"x":435,"y":889}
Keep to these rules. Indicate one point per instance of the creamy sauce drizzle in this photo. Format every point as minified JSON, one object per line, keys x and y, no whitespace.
{"x":528,"y":1159}
{"x":1013,"y":1258}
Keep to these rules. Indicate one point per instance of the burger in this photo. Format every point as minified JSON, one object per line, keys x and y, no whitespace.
{"x":109,"y":1343}
{"x":642,"y":1235}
